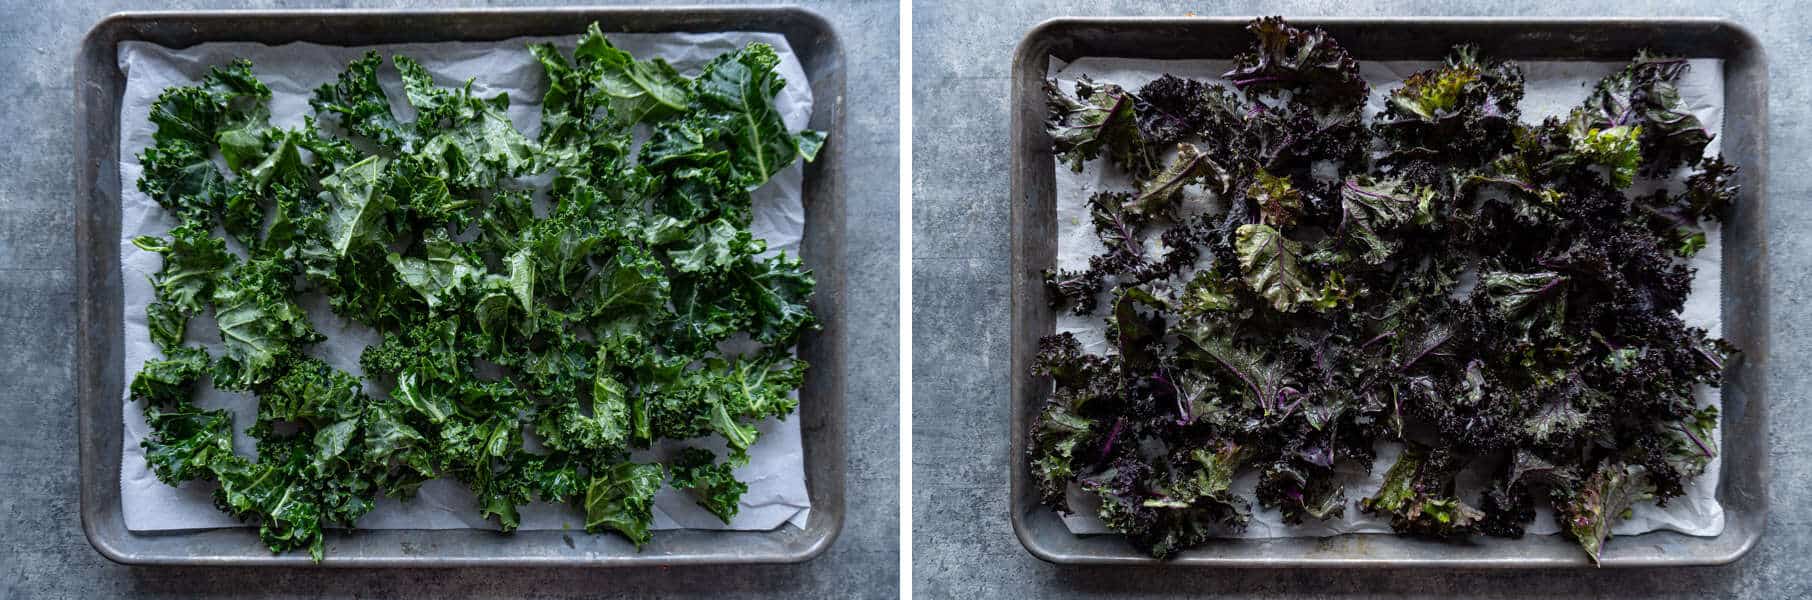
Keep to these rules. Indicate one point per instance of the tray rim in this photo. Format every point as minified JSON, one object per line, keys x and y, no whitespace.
{"x":823,"y":425}
{"x":1030,"y":150}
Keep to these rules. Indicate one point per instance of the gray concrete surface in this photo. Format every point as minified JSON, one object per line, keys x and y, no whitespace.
{"x":963,"y":546}
{"x":43,"y":553}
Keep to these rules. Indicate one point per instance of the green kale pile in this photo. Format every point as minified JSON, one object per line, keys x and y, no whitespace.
{"x":1484,"y":291}
{"x":593,"y":325}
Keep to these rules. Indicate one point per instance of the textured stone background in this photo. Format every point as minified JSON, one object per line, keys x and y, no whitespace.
{"x":43,"y":553}
{"x":963,"y":545}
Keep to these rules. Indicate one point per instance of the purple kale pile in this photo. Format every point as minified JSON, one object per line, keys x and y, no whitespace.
{"x":1486,"y":292}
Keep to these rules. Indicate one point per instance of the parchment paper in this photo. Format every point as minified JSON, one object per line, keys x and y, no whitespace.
{"x":1551,"y":88}
{"x":776,"y":469}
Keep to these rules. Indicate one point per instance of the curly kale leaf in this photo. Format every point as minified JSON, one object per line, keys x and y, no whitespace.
{"x":1614,"y":148}
{"x":357,"y":101}
{"x":1197,"y":502}
{"x":290,"y":503}
{"x":635,"y":90}
{"x":178,"y":172}
{"x":1369,"y":211}
{"x":245,"y":118}
{"x":1712,"y":191}
{"x":469,"y":142}
{"x":603,"y":423}
{"x":736,"y":93}
{"x":621,"y":499}
{"x":722,"y":397}
{"x":186,"y":442}
{"x":715,"y":245}
{"x":775,"y":291}
{"x":1079,"y":289}
{"x":1467,"y":107}
{"x":1302,"y":491}
{"x":1098,"y":120}
{"x":1279,"y":202}
{"x":1262,"y":380}
{"x":1168,"y":109}
{"x":1644,"y":96}
{"x":1587,"y":512}
{"x":1417,"y":493}
{"x":1309,"y":62}
{"x":1058,"y":435}
{"x":228,"y":113}
{"x":712,"y":484}
{"x":260,"y":323}
{"x":631,"y":283}
{"x":193,"y":263}
{"x":1189,"y":166}
{"x":170,"y":381}
{"x":356,"y":204}
{"x":1272,"y":266}
{"x":444,"y":270}
{"x":312,"y":392}
{"x":402,"y":457}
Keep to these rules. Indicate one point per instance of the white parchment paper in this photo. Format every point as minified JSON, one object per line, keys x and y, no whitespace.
{"x":776,"y":469}
{"x":1551,"y":88}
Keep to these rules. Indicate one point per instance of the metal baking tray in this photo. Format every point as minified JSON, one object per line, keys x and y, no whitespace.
{"x":1742,"y":489}
{"x":99,"y":85}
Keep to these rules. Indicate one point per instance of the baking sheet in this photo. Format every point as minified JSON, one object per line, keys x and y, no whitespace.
{"x":1551,"y":88}
{"x":775,"y":473}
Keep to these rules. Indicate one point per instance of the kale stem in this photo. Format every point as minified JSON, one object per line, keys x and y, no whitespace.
{"x":1378,"y":338}
{"x":1695,"y":439}
{"x":1108,"y":448}
{"x":1242,"y":83}
{"x":1183,"y":416}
